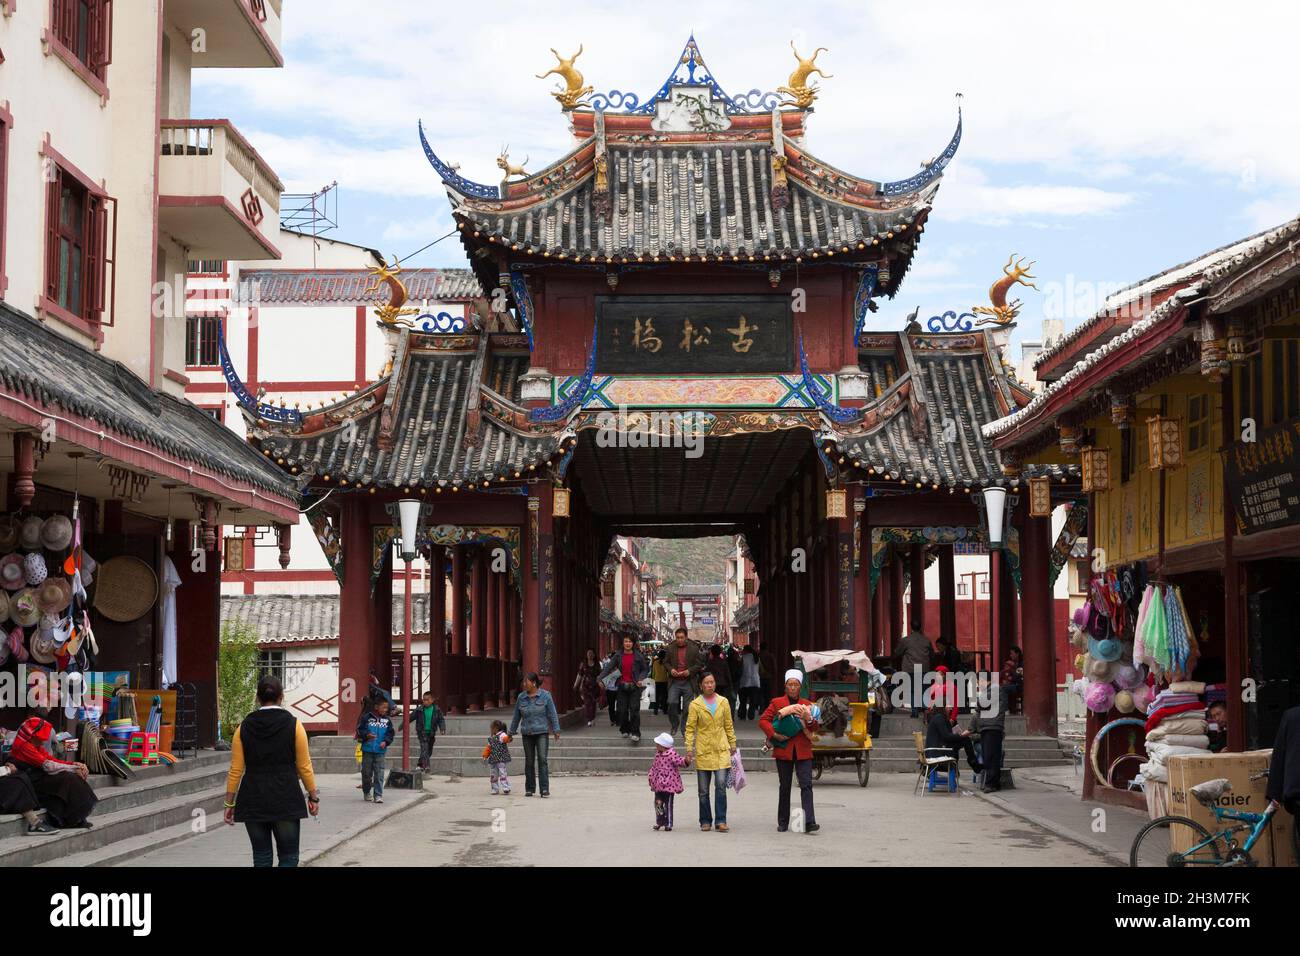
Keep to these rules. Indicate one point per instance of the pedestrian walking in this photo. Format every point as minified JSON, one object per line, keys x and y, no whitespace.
{"x":710,"y":742}
{"x":665,"y":779}
{"x":659,"y":674}
{"x":792,"y":748}
{"x":609,"y":687}
{"x":685,"y":664}
{"x":269,"y":758}
{"x":587,"y":685}
{"x":631,"y":669}
{"x":751,"y":690}
{"x":497,"y":755}
{"x":375,"y":732}
{"x":429,"y":722}
{"x":732,"y":656}
{"x":534,"y":716}
{"x":913,"y":659}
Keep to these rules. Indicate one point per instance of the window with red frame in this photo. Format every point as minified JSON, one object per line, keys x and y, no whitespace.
{"x":201,"y":332}
{"x":85,"y":29}
{"x":76,"y":247}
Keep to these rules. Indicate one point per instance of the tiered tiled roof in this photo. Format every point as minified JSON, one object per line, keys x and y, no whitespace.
{"x":307,"y":618}
{"x":447,"y":416}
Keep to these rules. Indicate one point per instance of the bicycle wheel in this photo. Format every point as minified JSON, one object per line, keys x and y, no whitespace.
{"x":1153,"y":845}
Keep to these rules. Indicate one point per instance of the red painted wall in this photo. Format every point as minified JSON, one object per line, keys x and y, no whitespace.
{"x":966,"y":637}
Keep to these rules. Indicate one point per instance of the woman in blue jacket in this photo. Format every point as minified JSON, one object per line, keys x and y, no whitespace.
{"x":535,"y":716}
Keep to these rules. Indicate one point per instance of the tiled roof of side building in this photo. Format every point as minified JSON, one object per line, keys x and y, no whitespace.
{"x":57,"y":372}
{"x":307,"y":618}
{"x":353,"y":286}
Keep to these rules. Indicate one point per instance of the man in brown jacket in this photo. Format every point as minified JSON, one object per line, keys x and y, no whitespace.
{"x":913,"y":656}
{"x":685,"y":662}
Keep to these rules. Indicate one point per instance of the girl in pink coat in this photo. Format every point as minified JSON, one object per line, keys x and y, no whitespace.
{"x":665,"y":780}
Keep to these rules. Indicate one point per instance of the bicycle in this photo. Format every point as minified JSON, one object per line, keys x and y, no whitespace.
{"x":1202,"y":847}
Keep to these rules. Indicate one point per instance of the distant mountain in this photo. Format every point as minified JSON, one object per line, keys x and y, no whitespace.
{"x":687,"y":560}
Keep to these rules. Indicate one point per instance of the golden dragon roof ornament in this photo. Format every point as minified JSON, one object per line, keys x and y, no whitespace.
{"x":574,"y":88}
{"x":390,"y":313}
{"x":1001,"y":312}
{"x":797,"y":87}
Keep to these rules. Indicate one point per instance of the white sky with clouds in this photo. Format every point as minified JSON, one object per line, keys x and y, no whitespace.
{"x":1106,"y":140}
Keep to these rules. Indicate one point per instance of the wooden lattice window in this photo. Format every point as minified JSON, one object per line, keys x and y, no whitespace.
{"x":77,"y":249}
{"x":85,"y":29}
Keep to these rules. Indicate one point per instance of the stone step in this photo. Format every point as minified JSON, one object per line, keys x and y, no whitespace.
{"x":111,"y":828}
{"x":150,"y":785}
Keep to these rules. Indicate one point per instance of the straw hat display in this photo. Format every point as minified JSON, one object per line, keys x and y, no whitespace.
{"x":29,"y":535}
{"x":8,"y":533}
{"x":23,"y":608}
{"x":16,"y":646}
{"x":56,"y":533}
{"x":43,"y":648}
{"x":12,"y":577}
{"x":54,"y":595}
{"x":126,"y":590}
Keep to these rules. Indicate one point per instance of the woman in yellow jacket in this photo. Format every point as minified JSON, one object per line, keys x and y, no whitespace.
{"x":710,"y":742}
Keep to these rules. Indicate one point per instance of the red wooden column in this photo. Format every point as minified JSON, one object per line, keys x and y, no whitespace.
{"x":539,"y":583}
{"x":493,"y":650}
{"x":456,"y":688}
{"x":1236,"y":665}
{"x":357,"y":622}
{"x":474,"y":690}
{"x":503,"y":636}
{"x":947,"y":594}
{"x":895,"y":600}
{"x":198,"y":605}
{"x":863,"y":633}
{"x":916,"y":567}
{"x":879,"y":611}
{"x":437,"y":623}
{"x":1036,"y":626}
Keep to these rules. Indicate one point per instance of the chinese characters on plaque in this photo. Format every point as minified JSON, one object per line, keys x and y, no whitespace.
{"x":684,"y":334}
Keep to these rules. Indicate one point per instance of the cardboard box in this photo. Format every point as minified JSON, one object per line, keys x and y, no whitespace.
{"x":1187,"y":770}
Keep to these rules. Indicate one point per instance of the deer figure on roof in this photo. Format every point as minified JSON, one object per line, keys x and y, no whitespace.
{"x":509,"y":168}
{"x":1002,"y":312}
{"x":797,"y":87}
{"x":574,"y":89}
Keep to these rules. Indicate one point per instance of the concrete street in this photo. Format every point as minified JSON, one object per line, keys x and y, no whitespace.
{"x":597,"y":821}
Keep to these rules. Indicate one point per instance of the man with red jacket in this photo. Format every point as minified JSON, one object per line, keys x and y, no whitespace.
{"x":792,"y":749}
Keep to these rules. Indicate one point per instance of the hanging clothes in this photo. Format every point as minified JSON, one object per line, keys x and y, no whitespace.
{"x":1139,"y":646}
{"x":171,"y":580}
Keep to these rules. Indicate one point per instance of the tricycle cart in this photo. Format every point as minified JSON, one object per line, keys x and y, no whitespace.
{"x":856,"y":679}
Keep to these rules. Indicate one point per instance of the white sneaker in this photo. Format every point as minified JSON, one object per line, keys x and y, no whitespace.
{"x":636,"y":738}
{"x":379,"y":799}
{"x":625,"y":736}
{"x":368,"y":798}
{"x":590,"y":722}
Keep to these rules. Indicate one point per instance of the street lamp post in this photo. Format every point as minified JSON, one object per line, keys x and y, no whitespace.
{"x":408,"y":513}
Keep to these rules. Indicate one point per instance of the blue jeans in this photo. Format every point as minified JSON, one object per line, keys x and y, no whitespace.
{"x":286,"y":841}
{"x":719,"y":778}
{"x":536,"y":747}
{"x":372,"y":773}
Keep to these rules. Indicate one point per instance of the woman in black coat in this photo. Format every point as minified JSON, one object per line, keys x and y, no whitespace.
{"x":269,"y":755}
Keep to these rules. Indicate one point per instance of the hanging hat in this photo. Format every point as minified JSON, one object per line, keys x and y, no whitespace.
{"x":8,"y":533}
{"x":16,"y":645}
{"x":1128,"y":676}
{"x":54,"y":595}
{"x":24,"y":609}
{"x":1101,"y":670}
{"x":1124,"y":702}
{"x":1079,"y":687}
{"x":794,"y":674}
{"x":1106,"y":650}
{"x":665,"y":739}
{"x":43,"y":648}
{"x":34,"y":568}
{"x":56,"y":533}
{"x":11,"y":572}
{"x":1100,"y":697}
{"x":29,"y":535}
{"x":127,"y":588}
{"x":1141,"y":697}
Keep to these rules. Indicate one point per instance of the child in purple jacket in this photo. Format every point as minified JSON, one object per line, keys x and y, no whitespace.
{"x":665,"y":779}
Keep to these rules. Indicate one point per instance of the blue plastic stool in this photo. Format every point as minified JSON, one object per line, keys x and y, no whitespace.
{"x":951,"y":781}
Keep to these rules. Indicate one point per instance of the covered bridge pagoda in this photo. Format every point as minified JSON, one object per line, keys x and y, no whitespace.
{"x":678,"y":346}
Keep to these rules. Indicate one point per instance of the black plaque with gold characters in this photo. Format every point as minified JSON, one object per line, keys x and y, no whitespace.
{"x":682,"y":334}
{"x":1263,"y":478}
